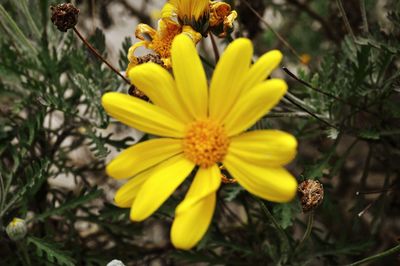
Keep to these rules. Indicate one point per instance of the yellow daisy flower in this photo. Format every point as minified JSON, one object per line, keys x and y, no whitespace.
{"x":200,"y":128}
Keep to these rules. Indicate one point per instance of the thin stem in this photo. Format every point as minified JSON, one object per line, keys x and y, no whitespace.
{"x":281,"y":232}
{"x":309,"y":112}
{"x":215,"y":48}
{"x":3,"y":193}
{"x":364,"y":16}
{"x":295,"y":53}
{"x":307,"y":234}
{"x":97,"y":54}
{"x":345,"y":19}
{"x":308,"y":85}
{"x":378,"y":256}
{"x":22,"y":247}
{"x":325,"y":25}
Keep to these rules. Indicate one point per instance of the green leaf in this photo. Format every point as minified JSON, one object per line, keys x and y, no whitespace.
{"x":283,"y":213}
{"x":16,"y":33}
{"x":51,"y":251}
{"x":71,"y":204}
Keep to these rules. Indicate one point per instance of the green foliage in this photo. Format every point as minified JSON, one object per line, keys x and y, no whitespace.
{"x":51,"y":252}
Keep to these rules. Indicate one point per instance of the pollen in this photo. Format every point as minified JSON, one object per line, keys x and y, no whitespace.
{"x":205,"y":143}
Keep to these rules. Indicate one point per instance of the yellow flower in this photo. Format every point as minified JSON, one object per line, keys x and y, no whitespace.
{"x":194,"y":18}
{"x":221,"y":18}
{"x":200,"y":128}
{"x":159,"y":40}
{"x":194,"y":13}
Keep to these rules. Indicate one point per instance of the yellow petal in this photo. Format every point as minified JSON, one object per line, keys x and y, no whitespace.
{"x":253,"y":105}
{"x":190,"y":226}
{"x":162,"y":182}
{"x":127,"y":193}
{"x":265,"y":147}
{"x":207,"y":181}
{"x":270,"y":183}
{"x":158,"y":84}
{"x":142,"y":156}
{"x":227,"y":80}
{"x":168,"y":10}
{"x":141,"y":115}
{"x":262,"y":69}
{"x":189,"y":76}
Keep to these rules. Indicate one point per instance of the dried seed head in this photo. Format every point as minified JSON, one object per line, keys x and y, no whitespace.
{"x":150,"y":58}
{"x":64,"y":16}
{"x":16,"y":229}
{"x":311,"y":194}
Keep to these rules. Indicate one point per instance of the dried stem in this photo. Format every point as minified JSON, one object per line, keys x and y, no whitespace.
{"x":215,"y":48}
{"x":294,"y":52}
{"x":98,"y":55}
{"x":308,"y":85}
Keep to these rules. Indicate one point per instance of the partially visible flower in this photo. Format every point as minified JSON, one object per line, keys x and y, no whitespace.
{"x":195,"y":13}
{"x":201,"y":128}
{"x":115,"y":263}
{"x":305,"y":59}
{"x":221,"y":18}
{"x":194,"y":18}
{"x":16,"y":229}
{"x":159,"y":40}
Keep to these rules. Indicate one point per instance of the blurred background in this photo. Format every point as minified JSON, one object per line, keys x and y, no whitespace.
{"x":343,"y":107}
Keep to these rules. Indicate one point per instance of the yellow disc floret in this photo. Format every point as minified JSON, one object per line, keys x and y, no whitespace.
{"x":205,"y":143}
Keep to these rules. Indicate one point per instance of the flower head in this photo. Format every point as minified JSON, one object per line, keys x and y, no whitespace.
{"x":16,"y":229}
{"x":194,"y":18}
{"x":194,"y":13}
{"x":203,"y":127}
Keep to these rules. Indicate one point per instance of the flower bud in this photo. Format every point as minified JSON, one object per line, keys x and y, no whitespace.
{"x":311,"y":194}
{"x":16,"y":230}
{"x":64,"y":16}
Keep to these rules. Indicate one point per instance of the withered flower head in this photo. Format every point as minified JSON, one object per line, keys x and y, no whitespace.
{"x":311,"y":194}
{"x":64,"y":16}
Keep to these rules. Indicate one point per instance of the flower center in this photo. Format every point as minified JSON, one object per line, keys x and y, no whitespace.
{"x":205,"y":143}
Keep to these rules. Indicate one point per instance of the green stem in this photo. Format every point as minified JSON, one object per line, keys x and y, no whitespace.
{"x":345,"y":19}
{"x":25,"y":256}
{"x":364,"y":16}
{"x":378,"y":256}
{"x":281,"y":232}
{"x":307,"y":234}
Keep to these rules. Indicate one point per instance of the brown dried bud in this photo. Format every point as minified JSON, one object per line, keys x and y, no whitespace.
{"x":150,"y":58}
{"x":64,"y":16}
{"x":311,"y":194}
{"x":135,"y":92}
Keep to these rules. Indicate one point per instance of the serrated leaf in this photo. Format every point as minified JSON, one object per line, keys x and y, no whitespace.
{"x":51,"y":251}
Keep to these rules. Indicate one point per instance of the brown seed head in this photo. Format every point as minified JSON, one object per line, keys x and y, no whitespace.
{"x":311,"y":194}
{"x":64,"y":16}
